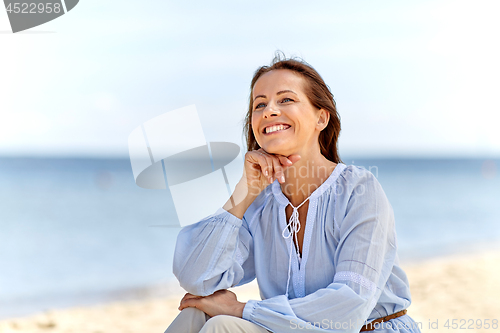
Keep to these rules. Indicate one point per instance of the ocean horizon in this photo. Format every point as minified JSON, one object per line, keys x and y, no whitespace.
{"x":79,"y":231}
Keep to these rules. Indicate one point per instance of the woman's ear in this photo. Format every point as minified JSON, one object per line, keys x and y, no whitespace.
{"x":323,"y":118}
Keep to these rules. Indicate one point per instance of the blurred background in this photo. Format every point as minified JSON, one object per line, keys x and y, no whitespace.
{"x":416,"y":86}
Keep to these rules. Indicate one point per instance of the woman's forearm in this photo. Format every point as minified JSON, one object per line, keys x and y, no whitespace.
{"x":241,"y":199}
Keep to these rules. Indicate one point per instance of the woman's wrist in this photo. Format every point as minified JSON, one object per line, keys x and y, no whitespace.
{"x":239,"y":310}
{"x":241,"y":199}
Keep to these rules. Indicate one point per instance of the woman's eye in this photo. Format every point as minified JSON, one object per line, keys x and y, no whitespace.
{"x":259,"y":105}
{"x":287,"y":100}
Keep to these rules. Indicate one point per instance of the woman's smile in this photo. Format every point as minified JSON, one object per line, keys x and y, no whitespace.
{"x":276,"y":129}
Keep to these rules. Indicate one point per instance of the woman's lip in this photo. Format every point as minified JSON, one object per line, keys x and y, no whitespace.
{"x":276,"y":124}
{"x":280,"y":131}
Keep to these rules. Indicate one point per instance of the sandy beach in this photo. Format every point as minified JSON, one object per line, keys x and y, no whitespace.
{"x":463,"y":288}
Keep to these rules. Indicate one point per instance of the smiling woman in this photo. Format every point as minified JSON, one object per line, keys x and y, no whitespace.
{"x":319,"y":236}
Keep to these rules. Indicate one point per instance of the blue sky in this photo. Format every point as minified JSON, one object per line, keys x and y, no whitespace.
{"x":410,"y":78}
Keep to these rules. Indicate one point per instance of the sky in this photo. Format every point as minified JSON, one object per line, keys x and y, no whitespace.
{"x":410,"y":79}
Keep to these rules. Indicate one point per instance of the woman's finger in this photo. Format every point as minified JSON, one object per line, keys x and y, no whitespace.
{"x":189,"y":300}
{"x":285,"y":161}
{"x":257,"y":158}
{"x":280,"y":163}
{"x":188,"y":296}
{"x":190,"y":303}
{"x":266,"y":164}
{"x":278,"y":169}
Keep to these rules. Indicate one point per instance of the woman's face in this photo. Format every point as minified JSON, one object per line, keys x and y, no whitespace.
{"x":283,"y":120}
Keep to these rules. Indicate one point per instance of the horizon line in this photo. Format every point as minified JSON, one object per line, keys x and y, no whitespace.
{"x":344,"y":157}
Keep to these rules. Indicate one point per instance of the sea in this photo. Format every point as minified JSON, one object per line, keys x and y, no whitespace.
{"x":79,"y":231}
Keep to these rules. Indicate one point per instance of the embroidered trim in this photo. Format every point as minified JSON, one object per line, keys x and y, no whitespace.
{"x":356,"y":278}
{"x":360,"y":262}
{"x":334,"y":193}
{"x":239,"y":256}
{"x":311,"y":221}
{"x":373,"y":303}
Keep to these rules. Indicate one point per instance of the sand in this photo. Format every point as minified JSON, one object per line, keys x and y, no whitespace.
{"x":464,"y":288}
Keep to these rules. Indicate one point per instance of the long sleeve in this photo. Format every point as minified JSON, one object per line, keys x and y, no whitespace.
{"x":363,"y":260}
{"x":213,"y":254}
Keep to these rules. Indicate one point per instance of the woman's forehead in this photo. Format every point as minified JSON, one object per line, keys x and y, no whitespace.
{"x":278,"y":80}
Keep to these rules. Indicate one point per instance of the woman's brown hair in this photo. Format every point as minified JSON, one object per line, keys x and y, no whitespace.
{"x":317,"y":92}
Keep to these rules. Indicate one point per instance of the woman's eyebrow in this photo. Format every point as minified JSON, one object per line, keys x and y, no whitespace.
{"x":278,"y":93}
{"x":285,"y":91}
{"x":262,"y":96}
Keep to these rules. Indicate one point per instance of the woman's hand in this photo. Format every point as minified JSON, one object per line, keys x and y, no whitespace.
{"x":222,"y":302}
{"x":262,"y":168}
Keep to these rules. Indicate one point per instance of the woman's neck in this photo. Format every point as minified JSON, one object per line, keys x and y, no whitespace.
{"x":305,"y":176}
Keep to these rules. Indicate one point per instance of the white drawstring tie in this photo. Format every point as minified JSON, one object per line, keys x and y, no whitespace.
{"x":294,"y":225}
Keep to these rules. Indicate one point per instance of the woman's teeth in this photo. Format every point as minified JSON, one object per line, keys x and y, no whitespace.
{"x":275,"y":128}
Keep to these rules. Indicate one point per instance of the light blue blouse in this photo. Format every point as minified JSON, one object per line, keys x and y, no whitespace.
{"x":349,"y":272}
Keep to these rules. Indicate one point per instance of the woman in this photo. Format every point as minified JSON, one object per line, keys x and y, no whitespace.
{"x":318,"y":235}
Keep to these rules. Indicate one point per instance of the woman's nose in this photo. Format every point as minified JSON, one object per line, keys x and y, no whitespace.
{"x":271,"y":110}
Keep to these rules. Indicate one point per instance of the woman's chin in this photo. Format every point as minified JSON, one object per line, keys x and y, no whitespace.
{"x":277,"y":150}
